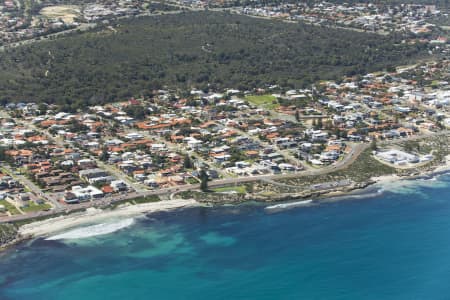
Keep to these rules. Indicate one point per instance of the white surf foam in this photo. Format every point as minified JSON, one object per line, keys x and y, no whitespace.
{"x":411,"y":185}
{"x":288,"y":205}
{"x":93,"y":230}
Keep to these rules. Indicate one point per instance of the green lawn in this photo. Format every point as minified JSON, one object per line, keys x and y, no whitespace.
{"x":264,"y":101}
{"x":191,"y":180}
{"x":5,"y":171}
{"x":152,"y":198}
{"x":11,"y":208}
{"x":33,"y":207}
{"x":238,"y":189}
{"x":435,"y":82}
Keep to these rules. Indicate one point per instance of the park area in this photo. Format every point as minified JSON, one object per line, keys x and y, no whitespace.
{"x":67,"y":13}
{"x":263,"y":101}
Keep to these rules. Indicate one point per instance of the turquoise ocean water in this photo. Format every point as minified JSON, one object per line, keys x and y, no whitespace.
{"x":394,"y":245}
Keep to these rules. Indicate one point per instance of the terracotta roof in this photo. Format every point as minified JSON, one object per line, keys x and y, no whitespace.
{"x":107,"y":189}
{"x":48,"y":123}
{"x":333,"y":148}
{"x":22,"y":152}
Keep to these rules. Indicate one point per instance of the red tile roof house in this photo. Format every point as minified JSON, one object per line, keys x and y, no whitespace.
{"x":107,"y":189}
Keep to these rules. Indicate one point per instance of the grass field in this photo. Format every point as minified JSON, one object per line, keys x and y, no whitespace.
{"x":32,"y":207}
{"x":191,"y":180}
{"x":9,"y":207}
{"x":65,"y":12}
{"x":263,"y":101}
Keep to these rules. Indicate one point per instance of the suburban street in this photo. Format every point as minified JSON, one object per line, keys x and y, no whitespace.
{"x":31,"y":186}
{"x":139,"y":191}
{"x":350,"y":158}
{"x":355,"y":151}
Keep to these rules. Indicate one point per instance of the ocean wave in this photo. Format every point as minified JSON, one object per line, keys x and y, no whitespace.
{"x":289,"y":205}
{"x":93,"y":230}
{"x":355,"y":196}
{"x":411,"y":185}
{"x":414,"y":185}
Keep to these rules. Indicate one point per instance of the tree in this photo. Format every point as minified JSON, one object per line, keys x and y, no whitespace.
{"x":99,"y":70}
{"x":42,"y":108}
{"x":2,"y":154}
{"x":76,"y":126}
{"x":337,"y":132}
{"x":187,"y":164}
{"x":373,"y":144}
{"x":412,"y":146}
{"x":317,"y":123}
{"x":297,"y":116}
{"x":320,"y":123}
{"x":135,"y":111}
{"x":390,"y":68}
{"x":236,"y":155}
{"x":203,"y":181}
{"x":104,"y":156}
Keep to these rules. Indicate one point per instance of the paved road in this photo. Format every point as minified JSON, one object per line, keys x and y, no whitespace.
{"x":356,"y":150}
{"x":32,"y":187}
{"x":117,"y":198}
{"x":103,"y":202}
{"x":82,"y":27}
{"x":285,"y":153}
{"x":118,"y":174}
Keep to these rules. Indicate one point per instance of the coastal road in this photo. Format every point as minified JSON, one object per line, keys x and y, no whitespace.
{"x":103,"y":202}
{"x":356,"y":150}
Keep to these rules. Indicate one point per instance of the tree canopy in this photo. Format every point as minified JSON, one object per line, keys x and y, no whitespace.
{"x":195,"y":49}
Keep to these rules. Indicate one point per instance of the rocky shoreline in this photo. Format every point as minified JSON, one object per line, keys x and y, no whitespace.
{"x":280,"y":197}
{"x":12,"y":234}
{"x":9,"y":235}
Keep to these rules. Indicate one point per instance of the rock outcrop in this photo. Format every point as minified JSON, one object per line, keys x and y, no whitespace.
{"x":8,"y":234}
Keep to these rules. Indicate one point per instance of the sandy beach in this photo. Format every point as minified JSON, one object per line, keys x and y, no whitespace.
{"x":93,"y":216}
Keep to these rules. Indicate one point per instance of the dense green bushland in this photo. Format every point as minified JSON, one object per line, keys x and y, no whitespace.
{"x":190,"y":50}
{"x":440,"y":3}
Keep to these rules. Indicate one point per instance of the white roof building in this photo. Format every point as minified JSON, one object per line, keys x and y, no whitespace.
{"x":86,"y":193}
